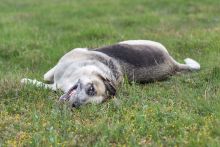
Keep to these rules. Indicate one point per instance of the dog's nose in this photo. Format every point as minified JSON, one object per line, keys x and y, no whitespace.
{"x":76,"y":104}
{"x":64,"y":97}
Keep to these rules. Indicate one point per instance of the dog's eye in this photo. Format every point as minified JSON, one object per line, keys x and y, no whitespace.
{"x":91,"y":90}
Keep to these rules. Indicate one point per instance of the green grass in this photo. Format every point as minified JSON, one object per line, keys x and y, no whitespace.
{"x":182,"y":111}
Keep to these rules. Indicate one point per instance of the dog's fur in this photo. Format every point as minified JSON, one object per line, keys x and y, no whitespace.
{"x":94,"y":75}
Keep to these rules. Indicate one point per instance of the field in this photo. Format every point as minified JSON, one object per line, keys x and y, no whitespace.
{"x":181,"y":111}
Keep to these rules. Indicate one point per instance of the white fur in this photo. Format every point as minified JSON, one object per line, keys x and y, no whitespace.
{"x":50,"y":74}
{"x":192,"y":64}
{"x":144,"y":42}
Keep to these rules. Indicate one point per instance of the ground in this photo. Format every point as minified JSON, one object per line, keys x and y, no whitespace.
{"x":181,"y":111}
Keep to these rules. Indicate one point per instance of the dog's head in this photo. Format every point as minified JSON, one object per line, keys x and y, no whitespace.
{"x":89,"y":89}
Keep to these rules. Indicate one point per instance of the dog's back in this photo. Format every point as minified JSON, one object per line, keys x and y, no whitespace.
{"x":135,"y":55}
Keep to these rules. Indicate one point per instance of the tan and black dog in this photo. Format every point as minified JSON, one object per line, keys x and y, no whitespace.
{"x":91,"y":76}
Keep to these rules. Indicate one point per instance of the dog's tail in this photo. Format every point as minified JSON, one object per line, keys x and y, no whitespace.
{"x":38,"y":83}
{"x":190,"y":65}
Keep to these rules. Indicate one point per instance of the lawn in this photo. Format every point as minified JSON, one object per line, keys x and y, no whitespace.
{"x":181,"y":111}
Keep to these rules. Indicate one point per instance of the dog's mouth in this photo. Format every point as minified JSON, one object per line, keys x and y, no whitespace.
{"x":71,"y":92}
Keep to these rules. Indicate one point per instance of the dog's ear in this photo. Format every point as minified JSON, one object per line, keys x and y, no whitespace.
{"x":110,"y":87}
{"x":111,"y":90}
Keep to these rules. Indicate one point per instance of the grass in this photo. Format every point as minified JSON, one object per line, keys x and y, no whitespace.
{"x":182,"y":111}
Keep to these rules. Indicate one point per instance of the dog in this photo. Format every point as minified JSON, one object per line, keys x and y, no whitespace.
{"x":92,"y":76}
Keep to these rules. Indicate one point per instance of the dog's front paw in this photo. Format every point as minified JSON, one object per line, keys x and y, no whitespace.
{"x":24,"y":81}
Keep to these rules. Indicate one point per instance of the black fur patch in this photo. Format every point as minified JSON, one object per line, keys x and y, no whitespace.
{"x":110,"y":64}
{"x":137,"y":55}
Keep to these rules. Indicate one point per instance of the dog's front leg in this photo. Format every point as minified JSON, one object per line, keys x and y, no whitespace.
{"x":39,"y":84}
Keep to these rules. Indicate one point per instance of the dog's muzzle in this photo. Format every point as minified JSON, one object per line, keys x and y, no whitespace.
{"x":72,"y":93}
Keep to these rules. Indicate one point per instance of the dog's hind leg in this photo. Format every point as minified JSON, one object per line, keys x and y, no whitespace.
{"x":49,"y":76}
{"x":38,"y":84}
